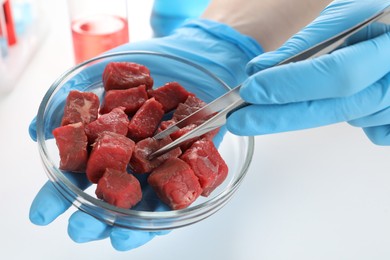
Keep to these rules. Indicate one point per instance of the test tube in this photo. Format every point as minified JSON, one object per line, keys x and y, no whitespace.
{"x":3,"y":35}
{"x":9,"y":22}
{"x":97,"y":26}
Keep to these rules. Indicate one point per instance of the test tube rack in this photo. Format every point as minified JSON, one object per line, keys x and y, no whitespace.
{"x":15,"y":55}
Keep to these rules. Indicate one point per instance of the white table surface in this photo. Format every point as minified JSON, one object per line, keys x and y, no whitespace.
{"x":315,"y":194}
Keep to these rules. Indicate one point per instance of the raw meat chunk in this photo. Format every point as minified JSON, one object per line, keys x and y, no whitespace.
{"x":80,"y":107}
{"x":175,"y":135}
{"x":185,"y":109}
{"x":139,"y":161}
{"x":165,"y":124}
{"x":195,"y":102}
{"x":111,"y":150}
{"x":146,"y":120}
{"x":124,"y":75}
{"x":131,"y":99}
{"x":207,"y":164}
{"x":175,"y":183}
{"x":170,"y":95}
{"x":116,"y":121}
{"x":72,"y":144}
{"x":119,"y":188}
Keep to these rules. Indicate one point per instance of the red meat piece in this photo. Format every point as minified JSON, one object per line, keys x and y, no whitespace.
{"x":175,"y":135}
{"x":195,"y":102}
{"x":119,"y":188}
{"x":124,"y":75}
{"x":111,"y":150}
{"x":207,"y":164}
{"x":139,"y":161}
{"x":165,"y":124}
{"x":170,"y":95}
{"x":131,"y":99}
{"x":146,"y":120}
{"x":72,"y":143}
{"x":175,"y":183}
{"x":185,"y":109}
{"x":115,"y":121}
{"x":80,"y":107}
{"x":184,"y":146}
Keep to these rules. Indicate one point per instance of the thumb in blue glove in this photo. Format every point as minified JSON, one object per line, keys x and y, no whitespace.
{"x":351,"y":84}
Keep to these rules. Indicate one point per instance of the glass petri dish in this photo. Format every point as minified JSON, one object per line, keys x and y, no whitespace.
{"x":150,"y":214}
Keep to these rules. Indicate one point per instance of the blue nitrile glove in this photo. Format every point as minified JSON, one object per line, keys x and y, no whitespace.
{"x":351,"y":84}
{"x":230,"y":52}
{"x":167,"y":15}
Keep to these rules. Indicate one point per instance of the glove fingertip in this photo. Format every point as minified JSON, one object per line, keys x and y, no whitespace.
{"x":38,"y":218}
{"x":32,"y":129}
{"x":47,"y":206}
{"x":218,"y":138}
{"x":378,"y":135}
{"x":125,"y":240}
{"x":265,"y":61}
{"x":163,"y":232}
{"x":257,"y":64}
{"x":84,"y":228}
{"x":234,"y":124}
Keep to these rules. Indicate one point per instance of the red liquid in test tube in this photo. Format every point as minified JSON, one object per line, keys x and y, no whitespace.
{"x":96,"y":34}
{"x":9,"y":22}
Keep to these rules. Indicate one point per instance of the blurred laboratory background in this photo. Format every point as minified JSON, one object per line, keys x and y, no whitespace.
{"x":315,"y":194}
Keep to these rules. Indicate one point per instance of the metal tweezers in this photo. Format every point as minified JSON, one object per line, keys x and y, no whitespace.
{"x":232,"y":101}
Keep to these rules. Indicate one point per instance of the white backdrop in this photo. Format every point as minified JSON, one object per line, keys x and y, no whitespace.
{"x":316,"y":194}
